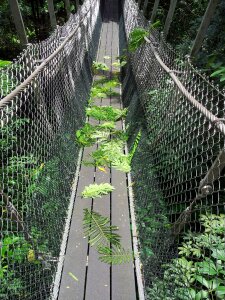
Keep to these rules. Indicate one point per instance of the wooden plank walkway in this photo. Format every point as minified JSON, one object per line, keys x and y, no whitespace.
{"x":96,"y":280}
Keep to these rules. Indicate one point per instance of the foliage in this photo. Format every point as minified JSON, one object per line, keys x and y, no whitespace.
{"x":14,"y":250}
{"x":4,"y":63}
{"x":99,"y":66}
{"x":106,"y":113}
{"x":136,"y":38}
{"x":199,"y":271}
{"x":115,"y":255}
{"x":87,"y":135}
{"x":101,"y":235}
{"x":220,"y":73}
{"x":135,"y":145}
{"x":111,"y":153}
{"x":105,"y":89}
{"x":97,"y":190}
{"x":99,"y":230}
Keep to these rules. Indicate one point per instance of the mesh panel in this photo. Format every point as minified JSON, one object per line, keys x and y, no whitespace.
{"x":39,"y":153}
{"x":178,"y":175}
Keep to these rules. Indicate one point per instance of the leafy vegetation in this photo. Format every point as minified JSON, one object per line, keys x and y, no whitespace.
{"x":97,"y":190}
{"x":99,"y":66}
{"x":111,"y":153}
{"x":101,"y":235}
{"x":87,"y":135}
{"x":136,"y":38}
{"x":106,"y":113}
{"x":199,"y":271}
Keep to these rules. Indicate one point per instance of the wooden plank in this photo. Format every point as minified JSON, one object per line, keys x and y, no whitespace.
{"x":76,"y":253}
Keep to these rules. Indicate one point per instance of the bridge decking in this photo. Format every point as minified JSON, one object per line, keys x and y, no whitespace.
{"x":96,"y":280}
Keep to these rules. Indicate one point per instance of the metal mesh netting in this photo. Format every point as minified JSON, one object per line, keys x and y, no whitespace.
{"x":178,"y":171}
{"x":39,"y":153}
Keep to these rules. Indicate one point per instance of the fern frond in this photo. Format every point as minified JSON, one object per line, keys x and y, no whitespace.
{"x":121,"y":163}
{"x":99,"y":230}
{"x":97,"y":190}
{"x":115,"y":256}
{"x":106,"y":113}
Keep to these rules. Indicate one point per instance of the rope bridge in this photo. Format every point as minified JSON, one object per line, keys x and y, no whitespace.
{"x":176,"y":184}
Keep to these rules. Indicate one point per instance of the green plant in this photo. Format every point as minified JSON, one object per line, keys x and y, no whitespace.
{"x":99,"y":230}
{"x":199,"y":271}
{"x":88,"y":134}
{"x":14,"y":250}
{"x":111,"y":153}
{"x":220,"y":73}
{"x":106,"y":113}
{"x":114,"y":255}
{"x":4,"y":63}
{"x":135,"y":145}
{"x":97,"y":190}
{"x":101,"y":235}
{"x":136,"y":38}
{"x":99,"y":66}
{"x":104,"y":89}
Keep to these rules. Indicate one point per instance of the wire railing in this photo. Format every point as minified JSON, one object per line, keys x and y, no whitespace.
{"x":178,"y":170}
{"x":43,"y":98}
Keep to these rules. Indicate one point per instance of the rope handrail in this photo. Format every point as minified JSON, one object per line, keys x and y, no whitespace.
{"x":23,"y":85}
{"x":211,"y":117}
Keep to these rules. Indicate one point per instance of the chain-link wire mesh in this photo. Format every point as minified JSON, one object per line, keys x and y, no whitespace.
{"x":39,"y":153}
{"x":178,"y":171}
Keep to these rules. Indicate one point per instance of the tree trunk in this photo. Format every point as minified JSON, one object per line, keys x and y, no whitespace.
{"x":77,"y":5}
{"x":203,"y":27}
{"x":154,"y":11}
{"x":67,"y":8}
{"x":18,"y":21}
{"x":139,"y":4}
{"x":52,"y":13}
{"x":169,"y":17}
{"x":145,"y":6}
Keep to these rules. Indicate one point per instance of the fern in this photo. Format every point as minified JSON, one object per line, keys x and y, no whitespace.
{"x":97,"y":190}
{"x":115,"y":256}
{"x":88,"y":134}
{"x":111,"y":152}
{"x":106,"y":113}
{"x":99,"y":230}
{"x":136,"y":38}
{"x":121,"y":163}
{"x":108,"y":125}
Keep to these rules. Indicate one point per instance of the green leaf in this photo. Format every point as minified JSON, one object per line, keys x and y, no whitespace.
{"x":4,"y":63}
{"x":97,"y":190}
{"x":219,"y":254}
{"x":206,"y":267}
{"x":99,"y":230}
{"x":218,"y":72}
{"x":220,"y":291}
{"x":203,"y":281}
{"x":106,"y":113}
{"x":201,"y":295}
{"x":136,"y":38}
{"x":114,"y":256}
{"x":100,"y":66}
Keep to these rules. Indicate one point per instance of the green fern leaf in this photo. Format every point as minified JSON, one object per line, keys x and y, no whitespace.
{"x":106,"y":113}
{"x":121,"y":163}
{"x":97,"y":190}
{"x":99,"y":230}
{"x":115,"y":256}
